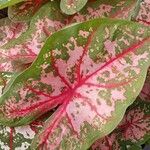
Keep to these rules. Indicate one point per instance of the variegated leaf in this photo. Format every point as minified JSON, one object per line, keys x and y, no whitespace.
{"x":133,"y":131}
{"x":89,"y":70}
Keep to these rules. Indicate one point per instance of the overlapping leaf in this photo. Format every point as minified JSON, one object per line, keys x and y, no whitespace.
{"x":90,"y":70}
{"x":131,"y":133}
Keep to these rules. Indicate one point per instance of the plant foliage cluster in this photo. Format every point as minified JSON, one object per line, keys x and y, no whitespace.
{"x":74,"y":74}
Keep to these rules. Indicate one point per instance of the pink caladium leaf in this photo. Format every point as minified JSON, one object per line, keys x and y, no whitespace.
{"x":89,"y":70}
{"x":48,"y":20}
{"x":134,"y":129}
{"x":145,"y":93}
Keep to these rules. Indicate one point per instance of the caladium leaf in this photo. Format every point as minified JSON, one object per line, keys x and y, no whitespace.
{"x":89,"y":70}
{"x":145,"y":93}
{"x":10,"y":30}
{"x":133,"y":131}
{"x":72,"y":6}
{"x":6,"y":3}
{"x":48,"y":20}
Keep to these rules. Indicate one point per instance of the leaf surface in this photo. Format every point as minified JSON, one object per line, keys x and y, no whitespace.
{"x":132,"y":132}
{"x":6,"y":3}
{"x":10,"y":30}
{"x":90,"y":70}
{"x":72,"y":6}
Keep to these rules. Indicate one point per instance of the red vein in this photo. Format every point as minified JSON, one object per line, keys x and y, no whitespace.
{"x":16,"y":56}
{"x":113,"y":85}
{"x":46,"y":105}
{"x":29,"y":50}
{"x":146,"y":94}
{"x":108,"y":144}
{"x":46,"y":31}
{"x":86,"y":48}
{"x":58,"y":73}
{"x":144,"y":21}
{"x":14,"y":30}
{"x":56,"y":119}
{"x":70,"y":122}
{"x":38,"y":92}
{"x":125,"y":52}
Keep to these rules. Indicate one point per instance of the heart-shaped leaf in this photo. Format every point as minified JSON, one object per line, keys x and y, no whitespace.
{"x":89,"y":70}
{"x":6,"y":3}
{"x":72,"y":6}
{"x":133,"y":130}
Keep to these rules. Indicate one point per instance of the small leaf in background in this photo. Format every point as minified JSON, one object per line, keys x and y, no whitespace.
{"x":6,"y":3}
{"x":131,"y":133}
{"x":70,"y":7}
